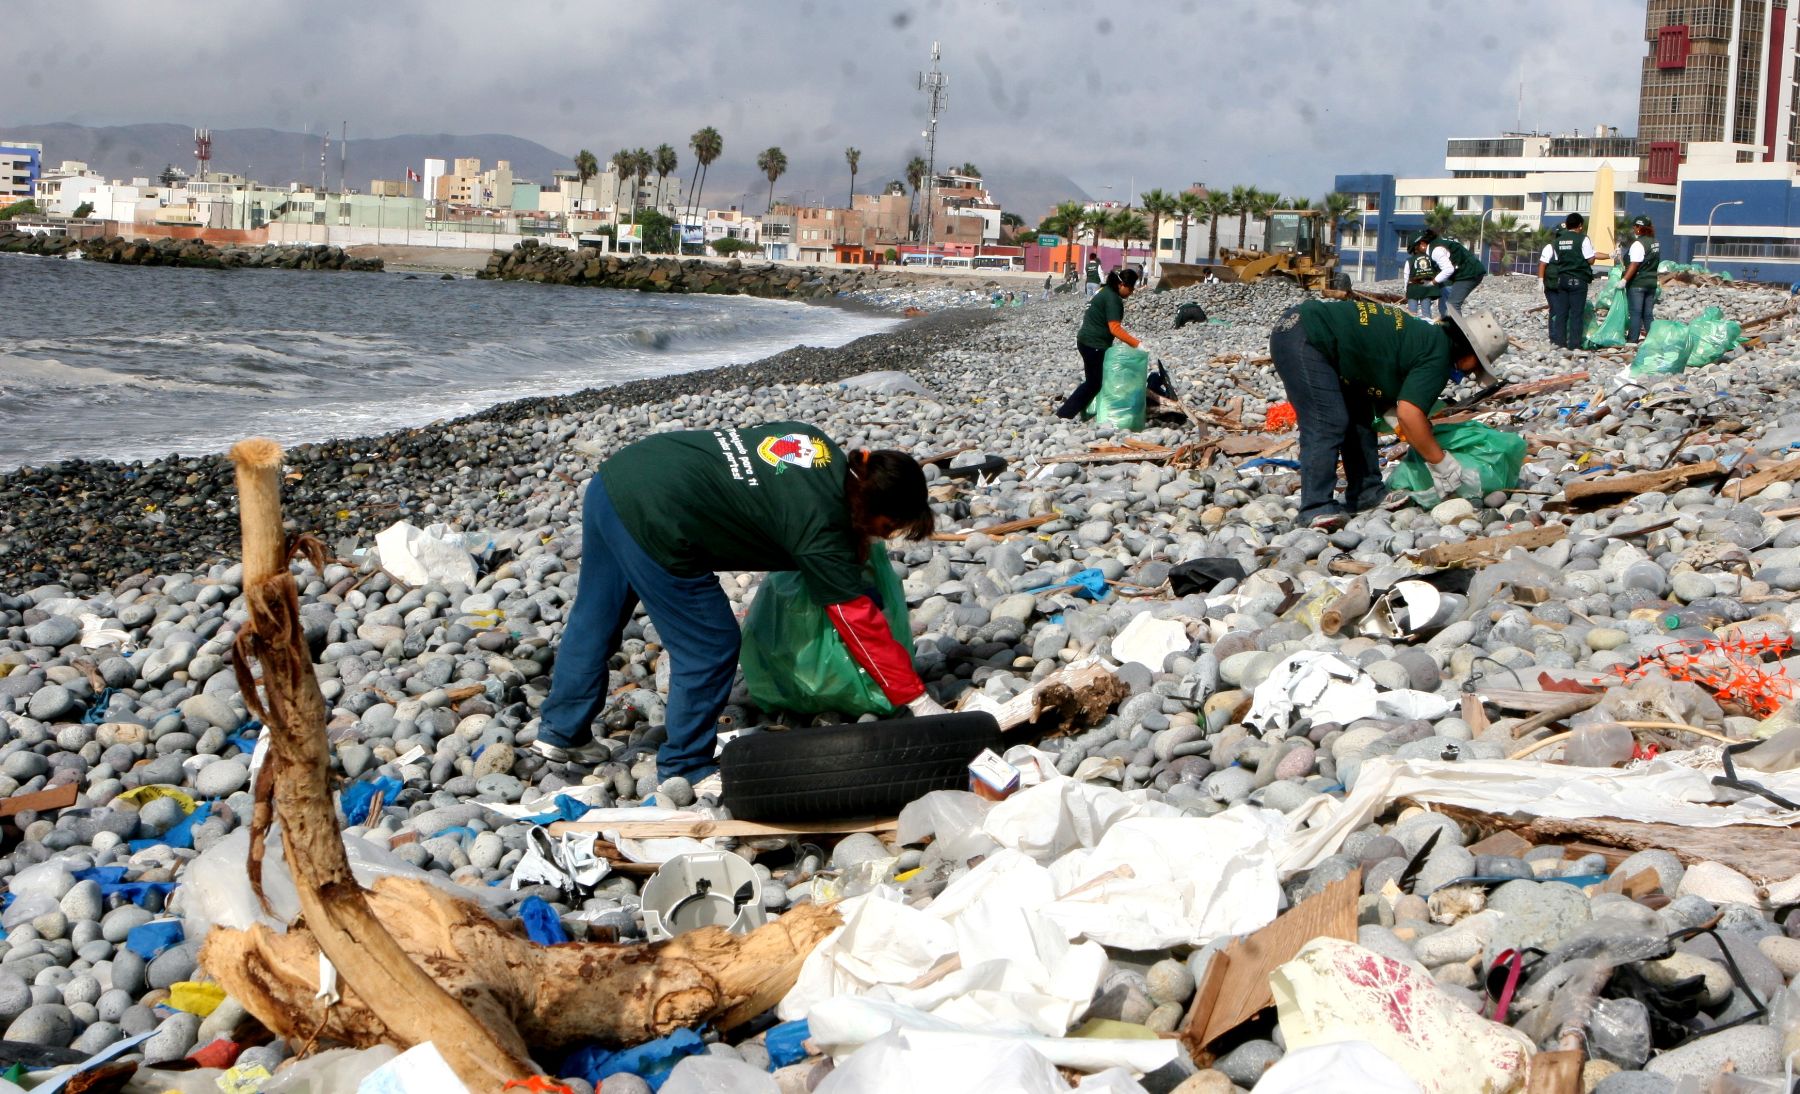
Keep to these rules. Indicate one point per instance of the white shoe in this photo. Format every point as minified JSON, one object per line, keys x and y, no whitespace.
{"x":591,"y":754}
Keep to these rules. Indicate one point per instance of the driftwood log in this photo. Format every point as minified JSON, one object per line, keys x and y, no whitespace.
{"x":413,"y":963}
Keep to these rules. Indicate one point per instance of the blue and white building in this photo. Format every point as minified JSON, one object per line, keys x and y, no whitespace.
{"x":21,"y":165}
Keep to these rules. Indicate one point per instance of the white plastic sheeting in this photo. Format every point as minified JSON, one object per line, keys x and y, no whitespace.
{"x":1342,"y":1067}
{"x":422,"y":556}
{"x":1012,"y":949}
{"x":1675,"y":788}
{"x":961,"y":1063}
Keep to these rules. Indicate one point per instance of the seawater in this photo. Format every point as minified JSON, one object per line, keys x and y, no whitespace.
{"x":120,"y":362}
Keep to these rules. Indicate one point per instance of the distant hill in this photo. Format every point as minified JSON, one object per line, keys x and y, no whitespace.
{"x":277,"y":157}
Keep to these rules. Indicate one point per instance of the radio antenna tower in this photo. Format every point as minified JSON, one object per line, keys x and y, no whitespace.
{"x":202,"y":153}
{"x":933,"y":85}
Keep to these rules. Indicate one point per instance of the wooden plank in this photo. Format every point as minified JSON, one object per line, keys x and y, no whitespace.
{"x":1023,"y":524}
{"x":1555,"y":1073}
{"x":701,"y":828}
{"x":1240,"y":986}
{"x":1756,"y":483}
{"x":57,"y":797}
{"x":1478,"y":552}
{"x":1507,"y":843}
{"x":1638,"y":885}
{"x":1474,"y":714}
{"x":1764,"y":853}
{"x":1595,"y":493}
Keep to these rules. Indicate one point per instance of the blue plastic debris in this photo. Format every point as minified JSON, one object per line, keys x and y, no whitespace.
{"x":111,"y":880}
{"x":97,"y":712}
{"x":787,"y":1043}
{"x":1270,"y":461}
{"x":353,"y":800}
{"x":182,"y":835}
{"x":564,"y":808}
{"x":1089,"y":584}
{"x":245,"y":736}
{"x":541,"y":922}
{"x":154,"y":937}
{"x":651,"y":1061}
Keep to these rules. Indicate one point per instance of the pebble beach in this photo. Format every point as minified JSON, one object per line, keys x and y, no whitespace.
{"x":120,"y":599}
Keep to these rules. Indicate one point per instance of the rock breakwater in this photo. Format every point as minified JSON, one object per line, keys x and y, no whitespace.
{"x":186,"y":252}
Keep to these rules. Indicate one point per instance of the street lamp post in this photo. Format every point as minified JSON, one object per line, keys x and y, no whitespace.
{"x":1481,"y":236}
{"x":1709,"y":228}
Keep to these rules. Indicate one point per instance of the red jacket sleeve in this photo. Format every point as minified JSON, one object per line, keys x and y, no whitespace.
{"x":866,"y":634}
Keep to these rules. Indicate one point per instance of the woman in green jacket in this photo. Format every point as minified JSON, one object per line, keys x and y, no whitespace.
{"x":1103,"y":323}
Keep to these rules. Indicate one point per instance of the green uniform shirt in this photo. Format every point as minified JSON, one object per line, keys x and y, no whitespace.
{"x":1464,"y":265}
{"x":1381,"y":349}
{"x":1646,"y":274}
{"x":1107,"y":306}
{"x":770,"y":497}
{"x":1093,"y":273}
{"x":1419,"y":275}
{"x":1566,"y":246}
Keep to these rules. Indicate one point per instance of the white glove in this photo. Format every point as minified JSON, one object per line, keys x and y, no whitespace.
{"x":1451,"y":477}
{"x":925,"y":707}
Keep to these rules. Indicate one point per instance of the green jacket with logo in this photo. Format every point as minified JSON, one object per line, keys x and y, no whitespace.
{"x":1568,"y":260}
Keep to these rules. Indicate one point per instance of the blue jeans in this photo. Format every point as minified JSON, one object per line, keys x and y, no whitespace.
{"x":1335,"y":422}
{"x":1422,"y":306}
{"x":1458,"y":291}
{"x":693,"y":618}
{"x":1568,"y":316}
{"x":1640,"y":312}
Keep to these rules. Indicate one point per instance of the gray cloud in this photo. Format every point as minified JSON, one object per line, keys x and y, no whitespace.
{"x":1280,"y":93}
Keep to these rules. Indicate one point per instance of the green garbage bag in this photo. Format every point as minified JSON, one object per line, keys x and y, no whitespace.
{"x":1120,"y":403}
{"x":1711,"y":336}
{"x":1497,"y":454}
{"x":1664,"y":350}
{"x":1606,"y":325}
{"x":793,"y":658}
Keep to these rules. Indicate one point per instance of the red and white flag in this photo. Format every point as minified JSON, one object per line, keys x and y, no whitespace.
{"x":411,"y":175}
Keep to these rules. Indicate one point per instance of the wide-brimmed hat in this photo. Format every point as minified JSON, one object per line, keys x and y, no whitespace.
{"x":1485,"y":338}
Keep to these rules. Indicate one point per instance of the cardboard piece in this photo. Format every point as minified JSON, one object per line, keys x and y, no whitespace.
{"x":1555,"y":1073}
{"x":1237,"y":977}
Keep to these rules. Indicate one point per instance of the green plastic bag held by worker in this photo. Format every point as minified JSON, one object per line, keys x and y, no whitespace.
{"x":1497,"y":454}
{"x":793,"y":658}
{"x":1606,"y":327}
{"x":1664,"y":351}
{"x":1120,"y":403}
{"x":1711,"y":336}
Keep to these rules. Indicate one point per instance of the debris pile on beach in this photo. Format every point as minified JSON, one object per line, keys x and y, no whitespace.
{"x":1470,"y":747}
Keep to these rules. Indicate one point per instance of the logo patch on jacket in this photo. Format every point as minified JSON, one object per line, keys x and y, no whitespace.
{"x":796,"y":449}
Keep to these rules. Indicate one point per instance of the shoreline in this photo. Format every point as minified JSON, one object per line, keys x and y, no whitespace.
{"x":178,"y":508}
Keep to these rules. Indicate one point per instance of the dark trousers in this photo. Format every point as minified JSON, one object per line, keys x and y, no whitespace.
{"x":1640,"y":312}
{"x":1335,"y":423}
{"x":693,"y":618}
{"x":1568,"y":316}
{"x":1093,"y":366}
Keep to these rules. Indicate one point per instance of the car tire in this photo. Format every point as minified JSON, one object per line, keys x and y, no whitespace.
{"x":860,"y":769}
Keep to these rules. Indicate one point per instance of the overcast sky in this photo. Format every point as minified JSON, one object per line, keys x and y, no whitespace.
{"x":1278,"y":93}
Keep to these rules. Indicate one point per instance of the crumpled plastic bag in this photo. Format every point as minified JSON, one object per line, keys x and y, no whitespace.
{"x":952,"y":819}
{"x":1313,"y":682}
{"x":567,"y":862}
{"x":1664,"y":351}
{"x":1607,"y":318}
{"x":1495,"y":453}
{"x":841,"y":1025}
{"x":1711,"y":336}
{"x":1123,"y":374}
{"x":421,"y":1069}
{"x":1338,"y":991}
{"x":1343,"y":1067}
{"x":425,"y":556}
{"x":718,"y":1075}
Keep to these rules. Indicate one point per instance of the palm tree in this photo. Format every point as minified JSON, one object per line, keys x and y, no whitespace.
{"x":586,"y":167}
{"x":969,"y":169}
{"x":853,"y":157}
{"x":1158,"y":203}
{"x":1096,"y":221}
{"x":641,"y":164}
{"x":665,"y":162}
{"x":1191,"y":207}
{"x":1240,"y":208}
{"x":1506,"y":232}
{"x":772,"y":162}
{"x":621,"y":169}
{"x":915,"y":177}
{"x":1217,"y":203}
{"x":1440,"y":218}
{"x":1338,"y":208}
{"x":1065,"y":220}
{"x":1126,"y":225}
{"x":706,"y":144}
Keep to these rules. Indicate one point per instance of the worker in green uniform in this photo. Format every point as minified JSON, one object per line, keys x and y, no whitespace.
{"x":1421,"y":290}
{"x":1101,"y":325}
{"x":1566,"y":266}
{"x":666,"y":514}
{"x":1643,"y":259}
{"x":1458,"y":270}
{"x":1343,"y":362}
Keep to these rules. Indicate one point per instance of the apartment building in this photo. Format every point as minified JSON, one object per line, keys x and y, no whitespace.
{"x":1717,"y":71}
{"x":21,"y":163}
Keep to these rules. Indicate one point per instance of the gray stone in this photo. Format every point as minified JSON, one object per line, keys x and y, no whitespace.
{"x":43,"y":1024}
{"x":174,"y":965}
{"x":52,"y":703}
{"x":54,"y":632}
{"x":1540,"y":914}
{"x":1245,"y":1064}
{"x":1756,"y":1050}
{"x":222,"y":779}
{"x":173,"y":1039}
